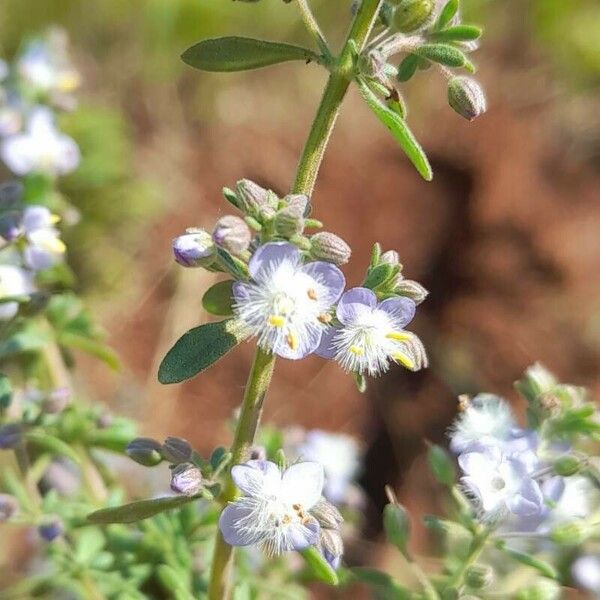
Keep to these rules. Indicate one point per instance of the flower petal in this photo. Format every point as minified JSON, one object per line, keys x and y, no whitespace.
{"x":402,"y":310}
{"x":302,"y":483}
{"x":302,"y":535}
{"x":329,"y":276}
{"x":353,"y":302}
{"x":270,"y":254}
{"x":231,"y":526}
{"x":241,"y":292}
{"x":308,"y":342}
{"x":256,"y":477}
{"x":326,"y":348}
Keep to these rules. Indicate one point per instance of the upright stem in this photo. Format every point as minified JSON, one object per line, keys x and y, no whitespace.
{"x":262,"y":368}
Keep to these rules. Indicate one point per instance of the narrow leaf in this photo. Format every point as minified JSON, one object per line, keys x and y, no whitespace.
{"x":445,"y":55}
{"x":407,"y":68}
{"x":399,"y":129}
{"x":539,"y":565}
{"x":52,"y":445}
{"x":137,"y":511}
{"x":198,"y":349}
{"x":319,"y":566}
{"x":240,"y":54}
{"x":447,"y":14}
{"x":218,"y":299}
{"x":458,"y":33}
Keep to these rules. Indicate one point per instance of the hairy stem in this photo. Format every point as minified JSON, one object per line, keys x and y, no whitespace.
{"x":477,"y":546}
{"x":262,"y":368}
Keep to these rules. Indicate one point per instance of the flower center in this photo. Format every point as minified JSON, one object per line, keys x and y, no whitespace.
{"x":498,"y":484}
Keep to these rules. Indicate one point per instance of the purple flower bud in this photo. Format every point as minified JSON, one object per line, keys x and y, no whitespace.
{"x":410,"y":289}
{"x":8,"y":507}
{"x":466,"y":97}
{"x":195,"y":248}
{"x":251,"y":197}
{"x":186,"y":479}
{"x":10,"y":436}
{"x":144,"y":451}
{"x":330,"y":247}
{"x":332,"y":546}
{"x":327,"y":514}
{"x":176,"y":450}
{"x":232,"y":234}
{"x":52,"y":529}
{"x":57,"y":400}
{"x":289,"y":220}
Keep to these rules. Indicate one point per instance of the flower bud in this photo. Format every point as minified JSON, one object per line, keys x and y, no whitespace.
{"x":186,"y":479}
{"x":289,"y":220}
{"x":332,"y":546}
{"x":251,"y":197}
{"x":411,"y":289}
{"x":543,"y":589}
{"x":330,"y":248}
{"x":373,"y":64}
{"x":411,"y":14}
{"x":176,"y":450}
{"x":57,"y":401}
{"x":51,"y":529}
{"x":8,"y":507}
{"x":567,"y":465}
{"x":466,"y":97}
{"x":390,"y":257}
{"x":479,"y":576}
{"x":144,"y":451}
{"x":568,"y":534}
{"x":328,"y":516}
{"x":10,"y":436}
{"x":195,"y":248}
{"x":232,"y":234}
{"x":397,"y":526}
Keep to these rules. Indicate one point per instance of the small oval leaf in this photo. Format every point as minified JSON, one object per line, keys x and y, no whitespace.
{"x":233,"y":53}
{"x":319,"y":566}
{"x":137,"y":511}
{"x":218,"y":299}
{"x":198,"y":349}
{"x":399,"y":129}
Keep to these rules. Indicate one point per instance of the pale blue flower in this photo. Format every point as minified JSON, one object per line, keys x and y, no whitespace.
{"x":586,"y":573}
{"x":273,"y":511}
{"x":286,"y":302}
{"x":44,"y":246}
{"x":14,"y":282}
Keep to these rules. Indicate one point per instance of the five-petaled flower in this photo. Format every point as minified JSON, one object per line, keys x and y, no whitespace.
{"x":286,"y":304}
{"x":371,"y":334}
{"x":273,"y":511}
{"x":44,"y":246}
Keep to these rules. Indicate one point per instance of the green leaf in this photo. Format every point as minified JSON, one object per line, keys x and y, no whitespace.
{"x":52,"y":445}
{"x":447,"y":14}
{"x":445,"y":55}
{"x":458,"y":33}
{"x":542,"y":566}
{"x":399,"y":129}
{"x":28,"y":339}
{"x":90,"y":541}
{"x":198,"y":349}
{"x":378,"y":275}
{"x":92,"y":347}
{"x":137,"y":511}
{"x":234,"y":266}
{"x":219,"y":298}
{"x":319,"y":567}
{"x":407,"y":68}
{"x":442,"y":466}
{"x":228,"y":54}
{"x":397,"y":526}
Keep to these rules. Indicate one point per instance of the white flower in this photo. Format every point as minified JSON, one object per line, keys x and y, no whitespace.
{"x":286,"y":304}
{"x":486,"y":417}
{"x":586,"y":573}
{"x":13,"y":282}
{"x":499,"y":483}
{"x":44,"y":246}
{"x":274,"y":510}
{"x":41,"y":148}
{"x":339,"y":455}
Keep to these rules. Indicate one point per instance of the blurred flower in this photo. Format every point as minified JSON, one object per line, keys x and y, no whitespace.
{"x":186,"y":479}
{"x":41,"y":148}
{"x":51,"y":529}
{"x":11,"y":113}
{"x":14,"y":281}
{"x":232,"y":234}
{"x":586,"y":573}
{"x":339,"y":455}
{"x":274,"y":510}
{"x":499,"y":483}
{"x":286,"y":304}
{"x":44,"y":246}
{"x":8,"y":507}
{"x":195,"y":248}
{"x":371,"y":335}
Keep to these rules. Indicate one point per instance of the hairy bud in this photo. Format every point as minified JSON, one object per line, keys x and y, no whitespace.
{"x":411,"y":289}
{"x":390,"y":257}
{"x":252,"y":197}
{"x":176,"y":450}
{"x":289,"y":220}
{"x":232,"y":234}
{"x":8,"y":507}
{"x":466,"y":97}
{"x":195,"y":248}
{"x":144,"y":451}
{"x":327,"y":514}
{"x":479,"y":576}
{"x":186,"y":479}
{"x":411,"y":14}
{"x":332,"y":546}
{"x":330,"y":248}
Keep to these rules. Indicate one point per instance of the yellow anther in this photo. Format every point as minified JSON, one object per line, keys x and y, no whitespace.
{"x":464,"y":400}
{"x":325,"y":318}
{"x":312,"y":294}
{"x":54,"y":245}
{"x":399,"y":336}
{"x":404,"y":359}
{"x":292,"y":340}
{"x":357,"y":350}
{"x":54,"y":219}
{"x":276,"y":321}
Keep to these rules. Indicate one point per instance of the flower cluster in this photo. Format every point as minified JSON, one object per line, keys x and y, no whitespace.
{"x":290,"y":293}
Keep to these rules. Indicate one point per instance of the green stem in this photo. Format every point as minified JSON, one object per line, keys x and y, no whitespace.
{"x":477,"y":546}
{"x":335,"y":90}
{"x":262,"y":368}
{"x":313,"y":28}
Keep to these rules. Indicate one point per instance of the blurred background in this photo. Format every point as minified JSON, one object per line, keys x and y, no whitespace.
{"x":506,"y":237}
